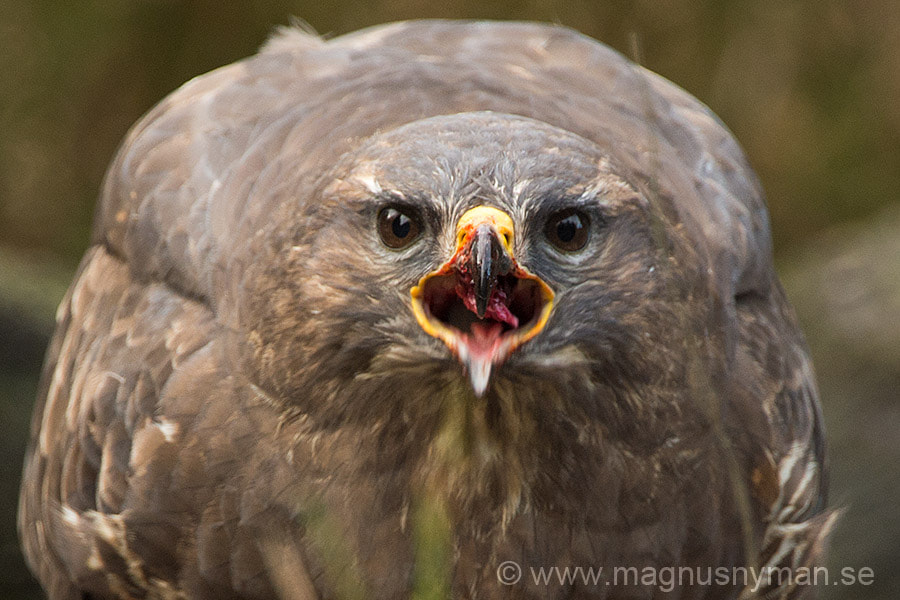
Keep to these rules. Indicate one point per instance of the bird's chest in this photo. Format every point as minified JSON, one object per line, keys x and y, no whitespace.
{"x":507,"y":508}
{"x":505,"y":531}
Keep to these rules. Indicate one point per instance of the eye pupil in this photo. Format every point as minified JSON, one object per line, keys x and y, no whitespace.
{"x":568,"y":229}
{"x":401,"y":226}
{"x":397,"y":228}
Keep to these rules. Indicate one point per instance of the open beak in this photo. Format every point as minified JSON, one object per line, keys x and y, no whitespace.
{"x":481,"y":303}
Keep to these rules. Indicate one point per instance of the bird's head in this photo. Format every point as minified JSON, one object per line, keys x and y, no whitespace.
{"x":473,"y":250}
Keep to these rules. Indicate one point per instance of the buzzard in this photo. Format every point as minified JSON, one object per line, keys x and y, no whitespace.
{"x":404,"y":311}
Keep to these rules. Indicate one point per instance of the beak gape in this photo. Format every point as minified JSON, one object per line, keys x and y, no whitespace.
{"x":481,"y":303}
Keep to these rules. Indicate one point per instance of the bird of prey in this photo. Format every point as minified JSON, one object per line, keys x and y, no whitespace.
{"x":488,"y":280}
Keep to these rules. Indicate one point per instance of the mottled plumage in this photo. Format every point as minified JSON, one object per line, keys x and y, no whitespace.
{"x":239,"y":397}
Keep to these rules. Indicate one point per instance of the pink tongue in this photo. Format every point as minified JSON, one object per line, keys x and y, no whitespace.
{"x":485,"y":333}
{"x":497,"y":308}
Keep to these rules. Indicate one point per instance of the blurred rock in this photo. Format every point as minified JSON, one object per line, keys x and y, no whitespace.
{"x":846,"y":289}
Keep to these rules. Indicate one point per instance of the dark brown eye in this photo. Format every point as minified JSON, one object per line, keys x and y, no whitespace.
{"x":568,"y":229}
{"x":397,"y":228}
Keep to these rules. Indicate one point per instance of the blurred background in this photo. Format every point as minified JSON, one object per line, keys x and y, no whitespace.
{"x":811,"y":88}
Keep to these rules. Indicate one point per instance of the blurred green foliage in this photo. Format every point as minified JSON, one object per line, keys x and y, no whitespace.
{"x":811,"y":88}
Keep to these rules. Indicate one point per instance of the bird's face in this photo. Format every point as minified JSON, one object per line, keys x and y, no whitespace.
{"x":492,"y":247}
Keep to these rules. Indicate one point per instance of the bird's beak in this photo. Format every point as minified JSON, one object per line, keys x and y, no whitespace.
{"x":481,"y":303}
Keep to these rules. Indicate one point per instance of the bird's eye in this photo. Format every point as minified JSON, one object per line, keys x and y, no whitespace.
{"x":568,"y":229}
{"x":397,"y":228}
